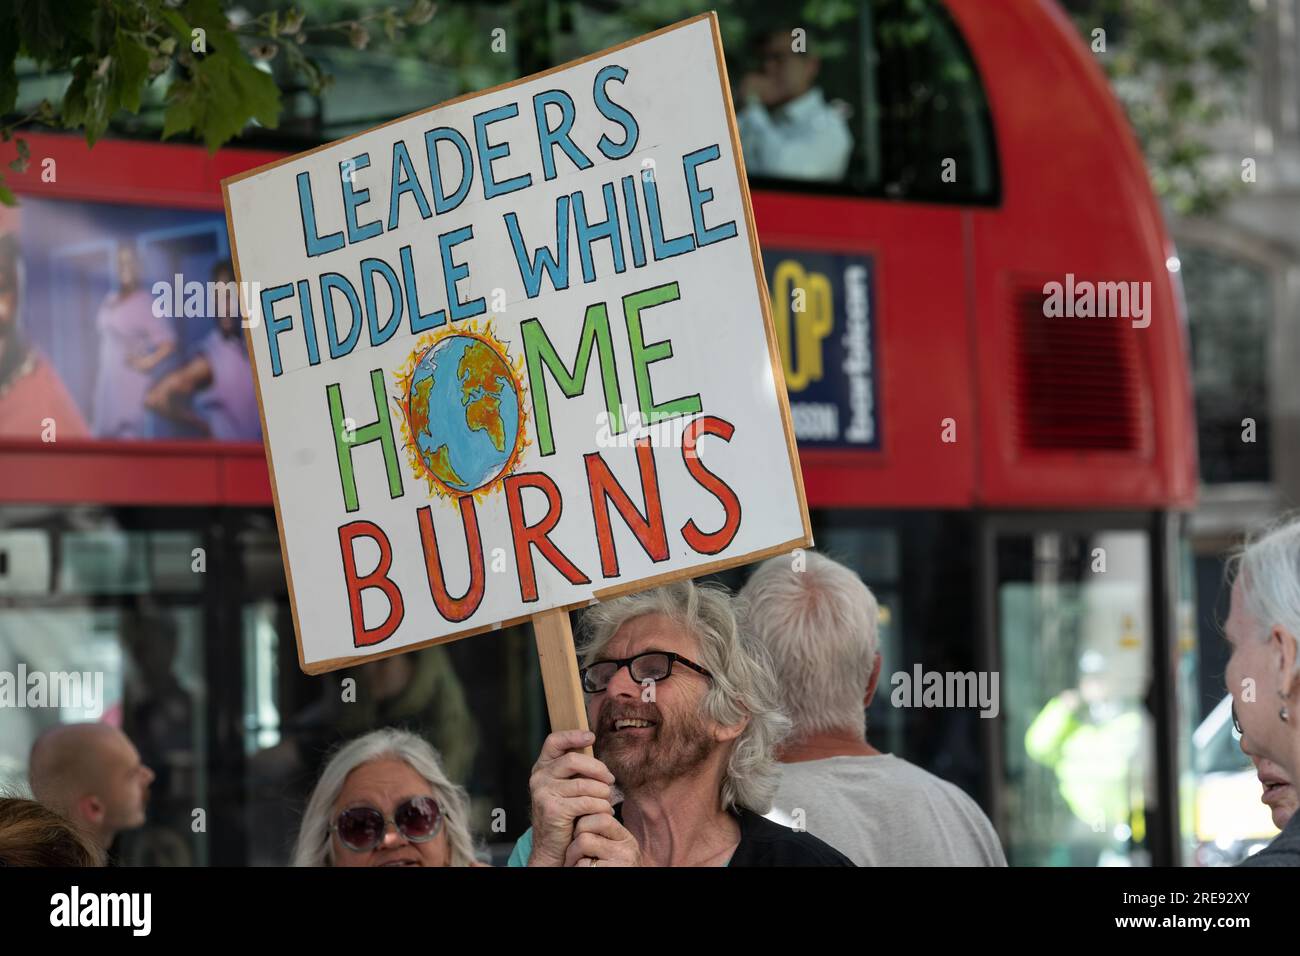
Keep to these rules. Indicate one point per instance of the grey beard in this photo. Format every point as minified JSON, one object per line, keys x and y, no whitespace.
{"x":664,"y":758}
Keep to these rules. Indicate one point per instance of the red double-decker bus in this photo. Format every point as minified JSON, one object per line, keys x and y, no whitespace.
{"x":1006,"y":468}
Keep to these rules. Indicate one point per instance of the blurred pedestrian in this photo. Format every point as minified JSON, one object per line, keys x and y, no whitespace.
{"x":1091,"y":737}
{"x":91,"y":775}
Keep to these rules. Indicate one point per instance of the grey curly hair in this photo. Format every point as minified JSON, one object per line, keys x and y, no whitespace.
{"x":743,"y":683}
{"x":315,"y":848}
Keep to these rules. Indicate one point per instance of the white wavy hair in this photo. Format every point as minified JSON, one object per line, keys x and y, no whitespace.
{"x":819,"y":622}
{"x":314,"y":846}
{"x":743,"y":684}
{"x":1269,"y":568}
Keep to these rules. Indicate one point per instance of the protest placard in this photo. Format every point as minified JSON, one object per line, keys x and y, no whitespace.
{"x":513,"y":354}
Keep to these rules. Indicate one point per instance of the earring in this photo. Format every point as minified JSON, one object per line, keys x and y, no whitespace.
{"x":1284,"y":714}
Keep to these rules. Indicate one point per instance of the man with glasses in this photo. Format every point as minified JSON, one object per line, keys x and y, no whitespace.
{"x":685,"y":717}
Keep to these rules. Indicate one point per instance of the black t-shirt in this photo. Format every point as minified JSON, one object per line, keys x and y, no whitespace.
{"x":765,"y":843}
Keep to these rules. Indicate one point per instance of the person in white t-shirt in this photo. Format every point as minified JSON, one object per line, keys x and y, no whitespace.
{"x":787,"y":129}
{"x":818,"y":621}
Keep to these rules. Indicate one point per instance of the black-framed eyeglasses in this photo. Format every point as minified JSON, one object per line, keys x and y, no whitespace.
{"x":650,"y":666}
{"x":1236,"y":724}
{"x":363,"y":828}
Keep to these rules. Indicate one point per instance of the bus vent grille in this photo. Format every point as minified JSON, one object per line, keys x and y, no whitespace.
{"x":1077,"y":384}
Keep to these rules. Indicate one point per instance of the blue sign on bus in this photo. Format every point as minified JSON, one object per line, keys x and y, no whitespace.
{"x":823,"y":305}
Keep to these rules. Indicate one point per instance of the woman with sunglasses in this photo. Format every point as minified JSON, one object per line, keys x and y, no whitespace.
{"x":383,"y":800}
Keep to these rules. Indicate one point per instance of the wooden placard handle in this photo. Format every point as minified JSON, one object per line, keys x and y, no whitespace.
{"x":565,"y":702}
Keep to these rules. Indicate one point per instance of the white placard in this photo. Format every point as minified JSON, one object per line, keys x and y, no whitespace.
{"x":513,"y":353}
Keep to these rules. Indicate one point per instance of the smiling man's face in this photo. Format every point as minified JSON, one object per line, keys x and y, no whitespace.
{"x":646,"y":742}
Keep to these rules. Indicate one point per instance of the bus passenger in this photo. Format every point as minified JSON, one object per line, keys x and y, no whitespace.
{"x":787,"y":129}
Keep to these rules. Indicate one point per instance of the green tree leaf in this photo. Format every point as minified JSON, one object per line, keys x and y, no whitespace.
{"x":179,"y":116}
{"x":223,"y":95}
{"x":128,"y":75}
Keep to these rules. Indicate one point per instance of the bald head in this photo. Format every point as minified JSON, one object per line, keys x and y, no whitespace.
{"x":92,"y":775}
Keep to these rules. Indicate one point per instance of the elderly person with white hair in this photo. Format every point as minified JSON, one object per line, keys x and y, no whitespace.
{"x":685,"y":716}
{"x":1263,"y":672}
{"x":818,"y":620}
{"x":383,"y":800}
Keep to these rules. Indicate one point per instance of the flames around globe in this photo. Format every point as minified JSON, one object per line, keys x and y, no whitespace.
{"x":462,"y":412}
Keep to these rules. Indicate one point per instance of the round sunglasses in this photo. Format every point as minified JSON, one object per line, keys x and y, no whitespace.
{"x":363,"y":828}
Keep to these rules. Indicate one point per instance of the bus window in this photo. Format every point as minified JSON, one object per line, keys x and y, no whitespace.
{"x":926,"y":134}
{"x":1229,"y":313}
{"x":1074,"y":639}
{"x":879,"y":98}
{"x":107,"y":626}
{"x":790,"y":127}
{"x":887,"y":102}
